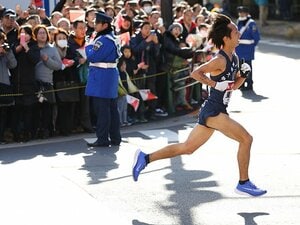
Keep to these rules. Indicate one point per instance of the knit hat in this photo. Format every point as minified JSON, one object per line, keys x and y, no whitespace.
{"x":175,"y":24}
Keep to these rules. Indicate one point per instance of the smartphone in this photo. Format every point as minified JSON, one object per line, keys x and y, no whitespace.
{"x":22,"y":37}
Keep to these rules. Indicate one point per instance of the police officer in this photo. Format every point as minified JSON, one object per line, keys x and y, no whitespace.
{"x":249,"y":39}
{"x":102,"y":85}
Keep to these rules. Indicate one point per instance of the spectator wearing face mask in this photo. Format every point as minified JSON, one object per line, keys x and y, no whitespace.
{"x":146,"y":6}
{"x":249,"y":38}
{"x":66,"y":99}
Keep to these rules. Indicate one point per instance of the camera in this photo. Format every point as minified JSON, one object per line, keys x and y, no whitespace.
{"x":5,"y":46}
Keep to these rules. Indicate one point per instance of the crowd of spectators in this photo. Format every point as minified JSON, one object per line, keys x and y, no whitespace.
{"x":45,"y":63}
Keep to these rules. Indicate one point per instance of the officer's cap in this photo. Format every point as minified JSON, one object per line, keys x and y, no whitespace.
{"x":101,"y":17}
{"x":242,"y":9}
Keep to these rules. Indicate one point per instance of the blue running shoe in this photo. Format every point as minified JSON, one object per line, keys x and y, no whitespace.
{"x":249,"y":189}
{"x":139,"y":164}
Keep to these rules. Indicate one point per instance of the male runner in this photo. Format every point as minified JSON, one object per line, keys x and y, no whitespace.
{"x":225,"y":76}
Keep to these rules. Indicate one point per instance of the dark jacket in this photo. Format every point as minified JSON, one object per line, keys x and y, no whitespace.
{"x":145,"y":52}
{"x":72,"y":53}
{"x":23,"y":79}
{"x":172,"y":49}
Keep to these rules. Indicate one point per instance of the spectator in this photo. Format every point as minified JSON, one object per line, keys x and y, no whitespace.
{"x":22,"y":17}
{"x":248,"y":41}
{"x":146,"y":6}
{"x":175,"y":56}
{"x":55,"y":16}
{"x":67,"y":99}
{"x":64,"y":23}
{"x":263,"y":11}
{"x":10,"y":26}
{"x":33,"y":20}
{"x":161,"y":81}
{"x":51,"y":29}
{"x":7,"y":61}
{"x":110,"y":11}
{"x":189,"y":26}
{"x":146,"y":47}
{"x":49,"y":62}
{"x":132,"y":69}
{"x":23,"y":80}
{"x":178,"y":12}
{"x":122,"y":92}
{"x":196,"y":10}
{"x":90,"y":16}
{"x":125,"y":25}
{"x":44,"y":19}
{"x":79,"y":72}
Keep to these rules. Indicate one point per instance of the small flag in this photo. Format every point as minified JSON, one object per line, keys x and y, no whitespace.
{"x":81,"y":51}
{"x":147,"y":95}
{"x":125,"y":38}
{"x":77,"y":14}
{"x":68,"y":62}
{"x":133,"y":101}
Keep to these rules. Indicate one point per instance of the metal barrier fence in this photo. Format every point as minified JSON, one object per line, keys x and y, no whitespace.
{"x":170,"y":87}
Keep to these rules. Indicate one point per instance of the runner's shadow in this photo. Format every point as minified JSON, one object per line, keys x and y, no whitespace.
{"x":191,"y":189}
{"x":251,"y":94}
{"x":249,"y":217}
{"x":137,"y":222}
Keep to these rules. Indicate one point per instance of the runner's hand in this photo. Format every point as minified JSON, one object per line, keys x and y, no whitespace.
{"x":224,"y":85}
{"x":245,"y":70}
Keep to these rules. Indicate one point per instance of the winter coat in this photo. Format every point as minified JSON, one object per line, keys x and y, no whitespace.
{"x":172,"y":49}
{"x":145,"y":52}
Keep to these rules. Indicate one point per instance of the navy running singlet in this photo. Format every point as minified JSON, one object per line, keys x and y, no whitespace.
{"x":217,"y":101}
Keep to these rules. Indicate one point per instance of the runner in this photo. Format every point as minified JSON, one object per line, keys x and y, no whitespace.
{"x":225,"y":76}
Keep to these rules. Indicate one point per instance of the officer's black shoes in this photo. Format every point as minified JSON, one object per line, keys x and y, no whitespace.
{"x":96,"y":144}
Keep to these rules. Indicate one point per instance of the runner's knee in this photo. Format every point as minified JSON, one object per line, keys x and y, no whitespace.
{"x":189,"y":148}
{"x":247,"y":139}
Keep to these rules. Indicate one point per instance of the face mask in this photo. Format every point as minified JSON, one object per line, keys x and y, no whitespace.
{"x":147,"y":9}
{"x":62,"y":43}
{"x":242,"y":18}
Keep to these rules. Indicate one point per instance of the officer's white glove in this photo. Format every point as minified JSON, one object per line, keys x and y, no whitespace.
{"x":224,"y":85}
{"x":245,"y":70}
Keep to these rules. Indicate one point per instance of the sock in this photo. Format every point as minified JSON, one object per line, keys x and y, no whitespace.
{"x":243,"y":181}
{"x":147,"y":159}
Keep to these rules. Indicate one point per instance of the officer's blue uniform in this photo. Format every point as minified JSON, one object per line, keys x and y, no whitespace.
{"x":102,"y":85}
{"x":217,"y":101}
{"x":248,"y":41}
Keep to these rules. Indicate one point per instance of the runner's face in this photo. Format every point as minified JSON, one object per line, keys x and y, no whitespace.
{"x":234,"y":35}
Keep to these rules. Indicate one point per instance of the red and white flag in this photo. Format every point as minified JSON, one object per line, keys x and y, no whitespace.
{"x":133,"y":101}
{"x":147,"y":95}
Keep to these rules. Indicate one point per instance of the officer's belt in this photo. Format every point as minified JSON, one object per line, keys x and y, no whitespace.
{"x":246,"y":42}
{"x":104,"y":65}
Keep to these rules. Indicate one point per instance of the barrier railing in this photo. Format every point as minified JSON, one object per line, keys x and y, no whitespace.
{"x":170,"y":87}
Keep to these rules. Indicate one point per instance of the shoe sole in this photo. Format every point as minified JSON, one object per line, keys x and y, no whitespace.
{"x":136,"y":155}
{"x":246,"y":194}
